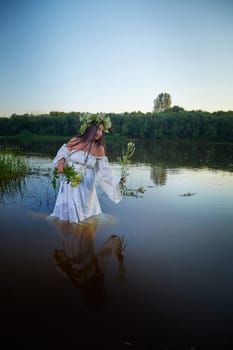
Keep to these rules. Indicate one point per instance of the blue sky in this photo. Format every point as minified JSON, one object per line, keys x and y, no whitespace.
{"x":115,"y":55}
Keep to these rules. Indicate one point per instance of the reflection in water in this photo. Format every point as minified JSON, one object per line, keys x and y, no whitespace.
{"x":9,"y":191}
{"x":179,"y":286}
{"x":176,"y":154}
{"x":38,"y":145}
{"x":83,"y":264}
{"x":162,"y":156}
{"x":168,"y":154}
{"x":158,"y":175}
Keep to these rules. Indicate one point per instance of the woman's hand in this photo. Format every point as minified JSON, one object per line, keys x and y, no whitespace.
{"x":122,"y":180}
{"x":60,"y":166}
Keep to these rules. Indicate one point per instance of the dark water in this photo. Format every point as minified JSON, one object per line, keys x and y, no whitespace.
{"x":151,"y":272}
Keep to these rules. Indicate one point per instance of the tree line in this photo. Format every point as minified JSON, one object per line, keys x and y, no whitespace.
{"x":169,"y":124}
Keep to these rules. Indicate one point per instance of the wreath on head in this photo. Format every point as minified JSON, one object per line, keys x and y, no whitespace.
{"x":99,"y":118}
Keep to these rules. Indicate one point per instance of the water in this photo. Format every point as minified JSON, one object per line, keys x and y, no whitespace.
{"x":153,"y":271}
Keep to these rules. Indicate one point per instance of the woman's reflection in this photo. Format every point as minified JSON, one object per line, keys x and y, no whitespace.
{"x":82,"y":263}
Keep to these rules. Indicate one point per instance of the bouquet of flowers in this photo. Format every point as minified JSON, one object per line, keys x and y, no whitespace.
{"x":71,"y":176}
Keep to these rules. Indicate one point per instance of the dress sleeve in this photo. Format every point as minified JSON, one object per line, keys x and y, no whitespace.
{"x":63,"y":152}
{"x":108,"y":181}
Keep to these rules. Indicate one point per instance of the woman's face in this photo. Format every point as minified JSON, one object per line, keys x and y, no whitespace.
{"x":99,"y":132}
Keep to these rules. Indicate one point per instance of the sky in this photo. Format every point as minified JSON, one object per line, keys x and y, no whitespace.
{"x":115,"y":55}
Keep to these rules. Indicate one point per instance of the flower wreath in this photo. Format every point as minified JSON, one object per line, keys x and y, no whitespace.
{"x":99,"y":118}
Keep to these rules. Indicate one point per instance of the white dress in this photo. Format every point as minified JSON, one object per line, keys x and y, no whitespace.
{"x":78,"y":203}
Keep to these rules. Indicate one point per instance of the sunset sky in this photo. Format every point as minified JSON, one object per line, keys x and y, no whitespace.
{"x":115,"y":55}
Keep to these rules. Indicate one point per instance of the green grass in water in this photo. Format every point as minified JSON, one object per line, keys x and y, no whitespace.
{"x":12,"y":167}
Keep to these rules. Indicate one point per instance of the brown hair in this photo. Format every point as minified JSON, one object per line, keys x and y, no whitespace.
{"x":88,"y":137}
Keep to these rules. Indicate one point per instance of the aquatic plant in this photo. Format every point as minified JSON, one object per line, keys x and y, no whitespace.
{"x":124,"y":161}
{"x":14,"y":168}
{"x":188,"y":194}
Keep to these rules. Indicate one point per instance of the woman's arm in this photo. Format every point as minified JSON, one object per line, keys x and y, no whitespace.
{"x":60,"y":157}
{"x":109,"y":182}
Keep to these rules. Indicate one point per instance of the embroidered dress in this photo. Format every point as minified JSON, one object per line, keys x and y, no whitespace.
{"x":78,"y":203}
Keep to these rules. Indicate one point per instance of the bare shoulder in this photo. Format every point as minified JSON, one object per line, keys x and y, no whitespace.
{"x":101,"y":151}
{"x":72,"y":142}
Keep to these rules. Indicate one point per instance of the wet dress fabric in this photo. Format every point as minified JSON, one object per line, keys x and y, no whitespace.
{"x":78,"y":203}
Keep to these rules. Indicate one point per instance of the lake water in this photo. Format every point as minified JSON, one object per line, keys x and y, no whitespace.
{"x":154,"y":271}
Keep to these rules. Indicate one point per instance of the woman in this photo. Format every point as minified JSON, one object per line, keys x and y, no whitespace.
{"x":86,"y":154}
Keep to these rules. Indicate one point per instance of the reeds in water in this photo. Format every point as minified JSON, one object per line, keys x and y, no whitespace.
{"x":13,"y":169}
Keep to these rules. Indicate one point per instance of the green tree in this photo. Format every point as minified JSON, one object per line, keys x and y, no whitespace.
{"x":162,"y":102}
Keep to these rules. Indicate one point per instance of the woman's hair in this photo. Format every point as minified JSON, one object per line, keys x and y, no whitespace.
{"x":89,"y":137}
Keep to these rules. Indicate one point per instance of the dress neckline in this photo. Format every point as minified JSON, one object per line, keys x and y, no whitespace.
{"x":85,"y":152}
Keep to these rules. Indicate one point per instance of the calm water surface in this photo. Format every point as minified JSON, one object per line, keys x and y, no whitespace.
{"x":153,"y":271}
